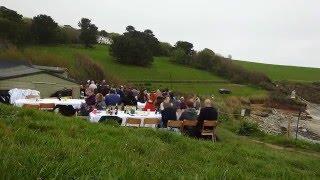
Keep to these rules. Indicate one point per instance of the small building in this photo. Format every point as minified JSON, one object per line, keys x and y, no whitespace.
{"x":104,"y":40}
{"x":46,"y":80}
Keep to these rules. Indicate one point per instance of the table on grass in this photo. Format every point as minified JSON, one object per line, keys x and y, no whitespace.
{"x":96,"y":116}
{"x":75,"y":103}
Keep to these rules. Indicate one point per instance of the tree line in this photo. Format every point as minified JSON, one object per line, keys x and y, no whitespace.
{"x":133,"y":47}
{"x":42,"y":29}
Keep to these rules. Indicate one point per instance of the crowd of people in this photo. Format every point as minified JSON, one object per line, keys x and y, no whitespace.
{"x":101,"y":95}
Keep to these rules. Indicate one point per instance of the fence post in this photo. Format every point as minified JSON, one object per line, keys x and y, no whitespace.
{"x":297,"y":128}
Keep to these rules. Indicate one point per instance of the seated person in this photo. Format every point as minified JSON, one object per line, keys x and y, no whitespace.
{"x":100,"y":104}
{"x":112,"y":98}
{"x":149,"y":105}
{"x":168,"y":113}
{"x":89,"y":104}
{"x":189,"y":114}
{"x":208,"y":112}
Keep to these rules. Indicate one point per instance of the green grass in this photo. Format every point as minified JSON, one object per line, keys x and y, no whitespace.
{"x":279,"y":72}
{"x":208,"y":89}
{"x":161,"y":69}
{"x":39,"y":145}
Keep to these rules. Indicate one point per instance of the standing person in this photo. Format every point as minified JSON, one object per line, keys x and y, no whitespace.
{"x":93,"y":86}
{"x":104,"y":89}
{"x":208,"y":112}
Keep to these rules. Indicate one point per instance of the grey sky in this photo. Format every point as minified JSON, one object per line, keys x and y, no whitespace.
{"x":269,"y":31}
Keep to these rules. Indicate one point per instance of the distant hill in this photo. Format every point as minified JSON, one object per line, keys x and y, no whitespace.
{"x":159,"y":75}
{"x":281,"y":72}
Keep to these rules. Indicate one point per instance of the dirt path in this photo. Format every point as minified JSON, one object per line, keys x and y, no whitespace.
{"x":315,"y":154}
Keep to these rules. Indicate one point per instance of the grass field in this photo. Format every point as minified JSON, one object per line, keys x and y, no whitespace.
{"x":279,"y":72}
{"x":39,"y":145}
{"x":161,"y":69}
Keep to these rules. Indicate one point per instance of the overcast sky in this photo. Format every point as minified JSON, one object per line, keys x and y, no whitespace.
{"x":269,"y":31}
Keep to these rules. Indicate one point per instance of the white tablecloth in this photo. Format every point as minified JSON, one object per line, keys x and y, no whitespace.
{"x":76,"y":103}
{"x":95,"y":117}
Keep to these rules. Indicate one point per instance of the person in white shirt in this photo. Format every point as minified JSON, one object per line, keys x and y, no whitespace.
{"x":93,"y":86}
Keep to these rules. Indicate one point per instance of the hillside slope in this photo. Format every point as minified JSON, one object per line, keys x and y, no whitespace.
{"x":280,"y":72}
{"x":161,"y":70}
{"x":36,"y":145}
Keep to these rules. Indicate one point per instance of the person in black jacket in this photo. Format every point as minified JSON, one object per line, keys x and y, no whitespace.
{"x":168,"y":113}
{"x":208,"y":112}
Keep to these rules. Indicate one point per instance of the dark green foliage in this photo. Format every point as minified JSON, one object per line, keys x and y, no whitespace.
{"x":186,"y":46}
{"x":135,"y":47}
{"x":12,"y":27}
{"x":89,"y":32}
{"x":248,"y":128}
{"x":204,"y":59}
{"x":209,"y":61}
{"x":103,"y":33}
{"x":166,"y":49}
{"x":44,"y":29}
{"x":10,"y":14}
{"x":179,"y":56}
{"x":69,"y":35}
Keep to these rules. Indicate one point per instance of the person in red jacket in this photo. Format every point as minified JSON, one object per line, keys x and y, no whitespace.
{"x":149,"y":104}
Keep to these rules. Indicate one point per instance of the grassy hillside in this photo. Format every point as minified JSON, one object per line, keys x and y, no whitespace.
{"x":161,"y":70}
{"x":279,"y":72}
{"x":36,"y":145}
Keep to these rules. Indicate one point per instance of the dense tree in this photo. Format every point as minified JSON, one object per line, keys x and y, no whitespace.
{"x":70,"y":34}
{"x":129,"y":50}
{"x":44,"y":29}
{"x":205,"y":59}
{"x":12,"y":27}
{"x":10,"y":15}
{"x":179,"y":56}
{"x":89,"y":32}
{"x":130,"y":28}
{"x":135,"y":47}
{"x":103,"y":33}
{"x":186,"y":46}
{"x":165,"y":49}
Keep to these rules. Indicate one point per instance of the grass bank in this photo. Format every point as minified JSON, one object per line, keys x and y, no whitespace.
{"x":43,"y":145}
{"x":280,"y":72}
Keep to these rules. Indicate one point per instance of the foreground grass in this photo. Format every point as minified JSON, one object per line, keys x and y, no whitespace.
{"x":161,"y":69}
{"x":279,"y":72}
{"x":43,"y":145}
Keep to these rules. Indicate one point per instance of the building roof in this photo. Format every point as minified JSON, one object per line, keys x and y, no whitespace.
{"x":13,"y":69}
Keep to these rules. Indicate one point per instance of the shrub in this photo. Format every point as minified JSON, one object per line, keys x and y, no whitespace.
{"x":247,"y":128}
{"x":179,"y":56}
{"x":86,"y":68}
